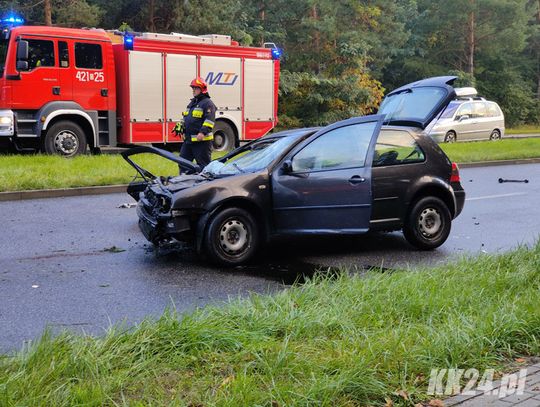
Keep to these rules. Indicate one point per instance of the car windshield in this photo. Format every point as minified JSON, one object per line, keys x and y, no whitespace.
{"x":415,"y":104}
{"x":259,"y":156}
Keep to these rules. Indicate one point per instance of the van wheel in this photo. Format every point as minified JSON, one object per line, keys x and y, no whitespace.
{"x":224,"y":139}
{"x":428,"y":223}
{"x":232,"y":237}
{"x":450,"y":137}
{"x":495,"y":135}
{"x":65,"y":138}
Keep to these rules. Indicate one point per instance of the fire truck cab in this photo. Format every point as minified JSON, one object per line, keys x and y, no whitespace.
{"x":65,"y":90}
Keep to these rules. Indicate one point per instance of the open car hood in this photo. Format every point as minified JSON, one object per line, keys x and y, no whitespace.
{"x":418,"y":111}
{"x":136,"y":187}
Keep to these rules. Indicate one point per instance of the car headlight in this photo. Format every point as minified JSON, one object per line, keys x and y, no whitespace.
{"x":6,"y":120}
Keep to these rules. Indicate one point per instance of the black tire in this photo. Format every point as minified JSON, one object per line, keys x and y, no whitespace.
{"x":231,"y":238}
{"x":450,"y":137}
{"x":224,"y":138}
{"x":495,"y":135}
{"x":428,"y":223}
{"x":65,"y":138}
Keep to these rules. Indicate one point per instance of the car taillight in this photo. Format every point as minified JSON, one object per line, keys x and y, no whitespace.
{"x":455,"y":173}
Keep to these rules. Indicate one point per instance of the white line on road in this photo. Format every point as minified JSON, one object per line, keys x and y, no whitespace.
{"x":496,"y":196}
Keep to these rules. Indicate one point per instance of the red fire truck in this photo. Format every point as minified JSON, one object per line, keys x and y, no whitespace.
{"x":65,"y":90}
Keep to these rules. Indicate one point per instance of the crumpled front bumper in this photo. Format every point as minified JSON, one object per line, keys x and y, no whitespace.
{"x":164,"y":227}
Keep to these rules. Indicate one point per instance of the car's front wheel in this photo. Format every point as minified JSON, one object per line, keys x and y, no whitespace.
{"x":231,"y":237}
{"x":428,"y":223}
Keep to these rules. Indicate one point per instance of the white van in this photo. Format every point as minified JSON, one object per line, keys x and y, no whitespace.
{"x":469,"y":118}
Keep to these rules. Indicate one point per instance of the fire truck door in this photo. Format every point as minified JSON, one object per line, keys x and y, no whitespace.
{"x":90,"y":84}
{"x":39,"y":85}
{"x":66,"y":70}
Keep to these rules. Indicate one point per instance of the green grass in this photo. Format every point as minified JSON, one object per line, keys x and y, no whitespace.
{"x":30,"y":172}
{"x":346,"y":340}
{"x":524,"y":129}
{"x":492,"y":150}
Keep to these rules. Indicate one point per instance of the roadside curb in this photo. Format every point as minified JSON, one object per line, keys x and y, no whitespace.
{"x":113,"y":189}
{"x":59,"y":193}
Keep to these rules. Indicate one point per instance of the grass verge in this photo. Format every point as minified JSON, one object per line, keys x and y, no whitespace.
{"x":346,"y":340}
{"x":31,"y":172}
{"x":524,"y":129}
{"x":510,"y":149}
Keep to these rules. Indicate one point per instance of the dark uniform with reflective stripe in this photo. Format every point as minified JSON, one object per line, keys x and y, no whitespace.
{"x":198,"y":118}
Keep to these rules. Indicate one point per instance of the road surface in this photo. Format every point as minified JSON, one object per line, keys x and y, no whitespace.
{"x":81,"y":263}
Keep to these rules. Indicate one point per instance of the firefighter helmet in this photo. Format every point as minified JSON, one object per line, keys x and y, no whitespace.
{"x":199,"y":83}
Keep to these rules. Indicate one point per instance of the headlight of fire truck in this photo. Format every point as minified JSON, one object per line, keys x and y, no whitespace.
{"x":6,"y":123}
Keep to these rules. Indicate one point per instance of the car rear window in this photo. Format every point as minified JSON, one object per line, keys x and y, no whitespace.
{"x":413,"y":105}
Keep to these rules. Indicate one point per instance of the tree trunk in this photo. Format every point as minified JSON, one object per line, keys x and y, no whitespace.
{"x":48,"y":12}
{"x":317,"y":36}
{"x":262,"y":17}
{"x":151,"y":16}
{"x":471,"y":40}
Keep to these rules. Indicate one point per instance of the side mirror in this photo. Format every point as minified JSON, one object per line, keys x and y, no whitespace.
{"x":22,"y":65}
{"x":287,"y":166}
{"x":22,"y":51}
{"x":464,"y":117}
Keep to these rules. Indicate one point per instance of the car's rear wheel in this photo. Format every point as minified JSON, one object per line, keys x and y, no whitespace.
{"x":232,"y":237}
{"x":495,"y":135}
{"x":65,"y":138}
{"x":224,"y":139}
{"x":450,"y":137}
{"x":428,"y":223}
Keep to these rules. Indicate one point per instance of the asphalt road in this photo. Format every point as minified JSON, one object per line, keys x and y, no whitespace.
{"x":81,"y":263}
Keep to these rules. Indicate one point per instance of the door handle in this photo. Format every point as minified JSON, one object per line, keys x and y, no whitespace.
{"x":56,"y":90}
{"x":104,"y":92}
{"x":356,"y":179}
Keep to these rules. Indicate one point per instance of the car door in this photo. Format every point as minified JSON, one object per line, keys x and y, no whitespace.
{"x":324,"y":184}
{"x":41,"y":76}
{"x":465,"y":123}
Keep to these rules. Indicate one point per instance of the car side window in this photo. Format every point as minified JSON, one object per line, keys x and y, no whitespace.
{"x":396,"y":147}
{"x":479,"y":110}
{"x":344,"y":147}
{"x":40,"y":53}
{"x":464,"y":110}
{"x":493,"y":110}
{"x":88,"y":56}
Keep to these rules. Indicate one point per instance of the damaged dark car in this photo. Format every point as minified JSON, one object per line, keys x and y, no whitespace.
{"x":379,"y":172}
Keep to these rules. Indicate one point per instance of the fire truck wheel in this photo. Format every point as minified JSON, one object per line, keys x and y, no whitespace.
{"x":65,"y":138}
{"x":224,"y":139}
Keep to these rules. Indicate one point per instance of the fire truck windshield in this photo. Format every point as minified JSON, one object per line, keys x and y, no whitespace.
{"x":3,"y":53}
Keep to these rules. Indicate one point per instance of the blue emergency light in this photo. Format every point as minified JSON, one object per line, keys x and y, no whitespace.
{"x":128,"y":42}
{"x":276,"y":53}
{"x":12,"y":20}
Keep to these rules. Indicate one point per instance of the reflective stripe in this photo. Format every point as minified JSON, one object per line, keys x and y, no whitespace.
{"x":208,"y":137}
{"x":208,"y":123}
{"x":185,"y":113}
{"x":197,"y":113}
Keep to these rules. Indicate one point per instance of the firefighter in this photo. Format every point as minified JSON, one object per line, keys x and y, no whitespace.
{"x":198,"y":125}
